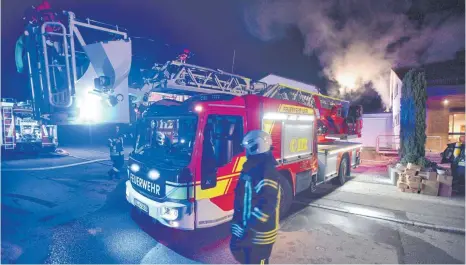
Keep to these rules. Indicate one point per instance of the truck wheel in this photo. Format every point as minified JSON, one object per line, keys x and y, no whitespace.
{"x":286,"y":197}
{"x":313,"y":186}
{"x":342,"y":171}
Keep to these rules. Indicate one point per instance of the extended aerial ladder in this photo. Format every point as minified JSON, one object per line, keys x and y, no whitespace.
{"x":177,"y":77}
{"x":337,"y":119}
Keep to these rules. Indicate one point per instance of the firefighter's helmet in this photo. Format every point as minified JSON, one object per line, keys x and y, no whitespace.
{"x":161,"y":139}
{"x":257,"y":142}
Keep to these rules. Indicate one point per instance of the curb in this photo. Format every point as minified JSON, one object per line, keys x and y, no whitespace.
{"x":441,"y":228}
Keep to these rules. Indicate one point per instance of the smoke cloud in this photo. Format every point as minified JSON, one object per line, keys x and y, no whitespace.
{"x":359,"y":41}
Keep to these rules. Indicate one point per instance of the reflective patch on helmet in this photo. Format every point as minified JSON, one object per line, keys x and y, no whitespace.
{"x":254,"y":148}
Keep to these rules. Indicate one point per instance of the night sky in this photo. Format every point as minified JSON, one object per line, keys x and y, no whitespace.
{"x":211,"y":29}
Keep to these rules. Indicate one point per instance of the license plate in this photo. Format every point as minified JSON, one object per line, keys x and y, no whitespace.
{"x":141,"y":206}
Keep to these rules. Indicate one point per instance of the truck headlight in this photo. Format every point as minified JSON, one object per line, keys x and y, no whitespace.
{"x":135,"y":168}
{"x":169,"y":214}
{"x":153,"y":174}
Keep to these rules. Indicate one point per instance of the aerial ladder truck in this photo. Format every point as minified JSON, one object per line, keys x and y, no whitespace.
{"x":188,"y":154}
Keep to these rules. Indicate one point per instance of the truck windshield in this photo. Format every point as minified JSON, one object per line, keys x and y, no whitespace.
{"x":169,"y":139}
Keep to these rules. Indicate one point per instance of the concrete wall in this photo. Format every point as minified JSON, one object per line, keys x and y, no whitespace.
{"x":375,"y":125}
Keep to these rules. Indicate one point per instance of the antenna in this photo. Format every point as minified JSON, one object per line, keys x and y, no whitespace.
{"x":233,"y":64}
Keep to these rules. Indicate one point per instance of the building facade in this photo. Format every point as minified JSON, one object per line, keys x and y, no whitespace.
{"x":445,"y":104}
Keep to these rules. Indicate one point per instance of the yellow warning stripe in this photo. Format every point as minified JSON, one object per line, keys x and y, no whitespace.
{"x":228,"y":186}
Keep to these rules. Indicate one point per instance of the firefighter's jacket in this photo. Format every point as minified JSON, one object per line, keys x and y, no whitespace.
{"x":257,"y":201}
{"x":116,"y":144}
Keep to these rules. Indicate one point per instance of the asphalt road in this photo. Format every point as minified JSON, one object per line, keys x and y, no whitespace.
{"x":75,"y":215}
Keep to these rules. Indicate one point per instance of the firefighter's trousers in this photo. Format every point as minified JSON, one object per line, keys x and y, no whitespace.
{"x":250,"y":253}
{"x":118,"y":162}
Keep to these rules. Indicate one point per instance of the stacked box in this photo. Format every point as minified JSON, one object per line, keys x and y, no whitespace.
{"x":445,"y":188}
{"x":414,"y":183}
{"x":401,"y":182}
{"x":445,"y":179}
{"x":428,"y":175}
{"x":408,"y":183}
{"x":411,"y":172}
{"x":415,"y":167}
{"x":430,"y":187}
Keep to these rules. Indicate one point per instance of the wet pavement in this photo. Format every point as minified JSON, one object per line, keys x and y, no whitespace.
{"x":76,"y":215}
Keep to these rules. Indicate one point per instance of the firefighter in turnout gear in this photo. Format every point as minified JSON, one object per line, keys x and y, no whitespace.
{"x":116,"y":153}
{"x":458,"y":164}
{"x":257,"y":202}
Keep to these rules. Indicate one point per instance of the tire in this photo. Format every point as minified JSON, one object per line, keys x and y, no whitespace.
{"x":343,"y":171}
{"x":313,"y":186}
{"x":286,"y":196}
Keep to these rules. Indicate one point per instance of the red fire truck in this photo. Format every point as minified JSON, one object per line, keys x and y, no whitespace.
{"x":21,"y":132}
{"x":188,"y":183}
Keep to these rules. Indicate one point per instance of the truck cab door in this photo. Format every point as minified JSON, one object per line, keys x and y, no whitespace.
{"x":220,"y":165}
{"x":222,"y":143}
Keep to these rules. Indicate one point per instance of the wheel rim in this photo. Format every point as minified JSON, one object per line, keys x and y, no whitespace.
{"x":313,"y":186}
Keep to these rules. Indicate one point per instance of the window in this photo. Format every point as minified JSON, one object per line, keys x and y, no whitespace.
{"x":397,"y":119}
{"x":456,"y":126}
{"x":225,"y":133}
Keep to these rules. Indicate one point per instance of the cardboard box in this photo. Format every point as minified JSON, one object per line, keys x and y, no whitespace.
{"x":445,"y":179}
{"x":414,"y":180}
{"x":400,"y":167}
{"x":411,"y":172}
{"x":403,"y":178}
{"x":402,"y":185}
{"x":444,"y":190}
{"x":414,"y":167}
{"x":430,"y":187}
{"x":413,"y":190}
{"x":428,"y":175}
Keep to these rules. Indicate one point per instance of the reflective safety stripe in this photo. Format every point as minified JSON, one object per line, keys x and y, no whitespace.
{"x":260,"y":215}
{"x":264,"y":242}
{"x":266,"y":182}
{"x":258,"y":211}
{"x":262,"y":219}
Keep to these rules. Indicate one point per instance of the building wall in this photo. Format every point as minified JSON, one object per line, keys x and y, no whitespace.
{"x":376,"y":125}
{"x":437,"y":120}
{"x":395,"y":88}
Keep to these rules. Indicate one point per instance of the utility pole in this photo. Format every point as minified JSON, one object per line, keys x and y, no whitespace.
{"x":233,"y":64}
